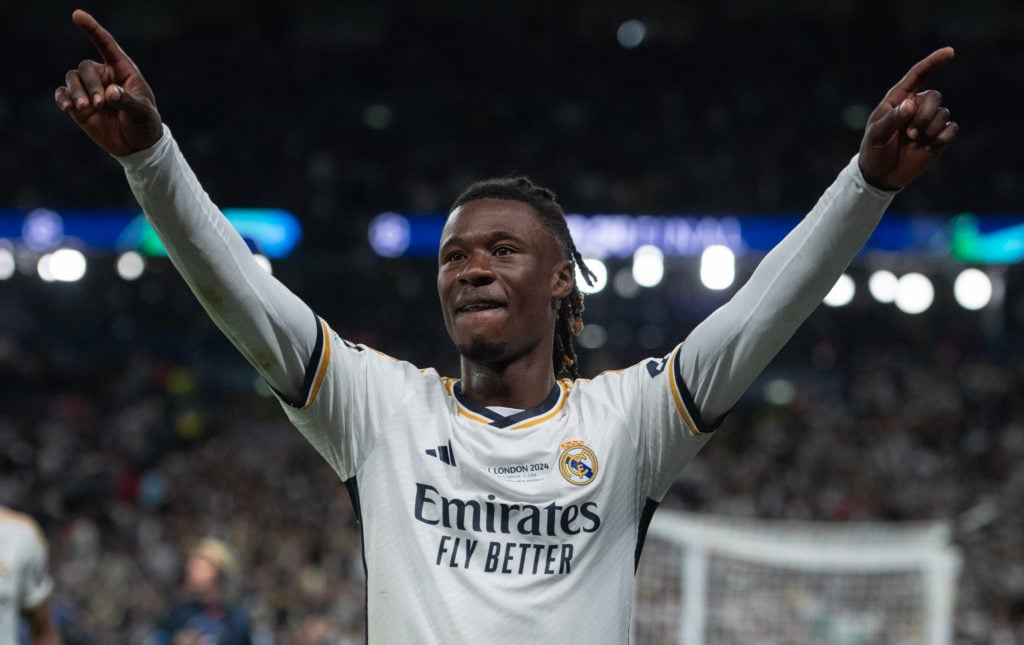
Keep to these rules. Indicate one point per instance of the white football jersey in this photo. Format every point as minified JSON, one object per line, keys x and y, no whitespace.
{"x":24,"y":578}
{"x":484,"y":528}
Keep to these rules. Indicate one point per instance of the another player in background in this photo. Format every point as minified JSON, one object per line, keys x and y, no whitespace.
{"x":203,"y":615}
{"x":508,"y":505}
{"x":25,"y":582}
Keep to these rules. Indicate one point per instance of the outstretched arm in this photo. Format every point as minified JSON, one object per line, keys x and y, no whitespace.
{"x":112,"y":103}
{"x":904,"y":136}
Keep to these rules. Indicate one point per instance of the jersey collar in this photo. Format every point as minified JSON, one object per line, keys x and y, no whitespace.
{"x":518,"y":421}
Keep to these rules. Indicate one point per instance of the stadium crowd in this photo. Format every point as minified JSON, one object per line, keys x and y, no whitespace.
{"x":130,"y":428}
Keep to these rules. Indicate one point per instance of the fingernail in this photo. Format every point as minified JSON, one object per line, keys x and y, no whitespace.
{"x":911,"y":133}
{"x":97,"y":98}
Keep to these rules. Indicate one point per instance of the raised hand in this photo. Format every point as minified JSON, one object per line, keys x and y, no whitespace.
{"x":110,"y":101}
{"x":908,"y":130}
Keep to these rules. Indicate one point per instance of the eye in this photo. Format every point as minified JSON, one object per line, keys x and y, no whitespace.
{"x":504,"y":250}
{"x":454,"y":256}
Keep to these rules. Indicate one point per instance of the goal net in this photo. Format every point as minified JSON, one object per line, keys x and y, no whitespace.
{"x":715,"y":580}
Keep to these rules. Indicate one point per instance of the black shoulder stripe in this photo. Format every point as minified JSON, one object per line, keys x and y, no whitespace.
{"x":684,"y":393}
{"x":314,"y":359}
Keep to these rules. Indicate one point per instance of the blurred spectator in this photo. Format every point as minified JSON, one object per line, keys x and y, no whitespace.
{"x":204,"y":615}
{"x":25,"y":582}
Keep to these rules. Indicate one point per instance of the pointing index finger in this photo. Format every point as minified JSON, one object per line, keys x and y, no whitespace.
{"x":920,"y":72}
{"x":108,"y":48}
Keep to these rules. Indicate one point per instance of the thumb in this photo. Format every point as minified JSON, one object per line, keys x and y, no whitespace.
{"x":882,"y":130}
{"x":135,"y":108}
{"x":141,"y":124}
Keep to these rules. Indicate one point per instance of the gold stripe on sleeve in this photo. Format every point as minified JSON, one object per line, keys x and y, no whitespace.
{"x":321,"y":370}
{"x":678,"y":398}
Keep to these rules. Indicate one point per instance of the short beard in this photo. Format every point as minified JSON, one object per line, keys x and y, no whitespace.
{"x":480,"y":351}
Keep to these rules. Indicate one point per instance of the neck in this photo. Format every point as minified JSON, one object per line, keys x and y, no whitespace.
{"x":521,"y":384}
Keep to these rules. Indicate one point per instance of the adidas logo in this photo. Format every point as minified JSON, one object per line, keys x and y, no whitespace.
{"x":444,"y":453}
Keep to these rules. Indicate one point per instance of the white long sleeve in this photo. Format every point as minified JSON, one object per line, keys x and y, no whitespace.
{"x":269,"y":324}
{"x":725,"y":353}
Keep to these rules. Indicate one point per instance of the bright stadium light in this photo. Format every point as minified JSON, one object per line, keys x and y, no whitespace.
{"x":7,"y":263}
{"x":648,"y":266}
{"x":389,"y":235}
{"x":972,"y":289}
{"x":42,"y":230}
{"x":600,"y":272}
{"x":717,"y":267}
{"x":43,"y":267}
{"x":842,"y":292}
{"x":882,"y":285}
{"x":67,"y":265}
{"x":914,"y":293}
{"x":130,"y":265}
{"x":631,"y":33}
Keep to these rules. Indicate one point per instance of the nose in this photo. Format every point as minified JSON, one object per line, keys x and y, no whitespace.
{"x":477,"y":270}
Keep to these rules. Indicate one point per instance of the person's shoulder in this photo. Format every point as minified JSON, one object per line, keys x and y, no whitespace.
{"x":651,"y":366}
{"x":20,"y":523}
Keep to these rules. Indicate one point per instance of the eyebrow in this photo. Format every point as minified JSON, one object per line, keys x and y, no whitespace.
{"x":489,"y":238}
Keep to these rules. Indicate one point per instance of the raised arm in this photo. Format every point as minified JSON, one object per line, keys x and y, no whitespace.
{"x":904,"y":136}
{"x":112,"y":103}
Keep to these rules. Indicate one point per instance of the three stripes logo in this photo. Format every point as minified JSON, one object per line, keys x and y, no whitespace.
{"x":445,"y":453}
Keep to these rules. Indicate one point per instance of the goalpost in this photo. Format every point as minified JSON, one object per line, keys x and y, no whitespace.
{"x":715,"y":580}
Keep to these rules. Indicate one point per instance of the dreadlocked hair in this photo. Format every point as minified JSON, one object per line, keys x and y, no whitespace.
{"x":544,"y":204}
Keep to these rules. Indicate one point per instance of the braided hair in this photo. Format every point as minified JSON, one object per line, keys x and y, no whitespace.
{"x":544,"y":204}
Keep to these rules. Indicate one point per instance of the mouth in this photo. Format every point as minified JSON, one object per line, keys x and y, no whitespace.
{"x":478,"y":305}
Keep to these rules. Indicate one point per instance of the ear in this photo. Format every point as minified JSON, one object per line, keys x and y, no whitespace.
{"x":562,"y":280}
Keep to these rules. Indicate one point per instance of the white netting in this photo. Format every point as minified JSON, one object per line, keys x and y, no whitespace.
{"x":705,"y":579}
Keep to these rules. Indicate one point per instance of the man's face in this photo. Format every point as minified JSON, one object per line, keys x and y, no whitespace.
{"x":500,"y":277}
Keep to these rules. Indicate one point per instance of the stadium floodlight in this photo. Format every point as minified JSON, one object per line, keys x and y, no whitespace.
{"x":717,"y":267}
{"x":842,"y":292}
{"x":631,"y":33}
{"x":648,"y":266}
{"x":972,"y":289}
{"x":914,"y":293}
{"x":67,"y":265}
{"x":130,"y":265}
{"x":42,"y":230}
{"x":389,"y":234}
{"x":882,"y":285}
{"x":600,"y":272}
{"x":7,"y":263}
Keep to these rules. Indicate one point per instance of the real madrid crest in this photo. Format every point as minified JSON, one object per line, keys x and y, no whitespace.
{"x":577,"y":463}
